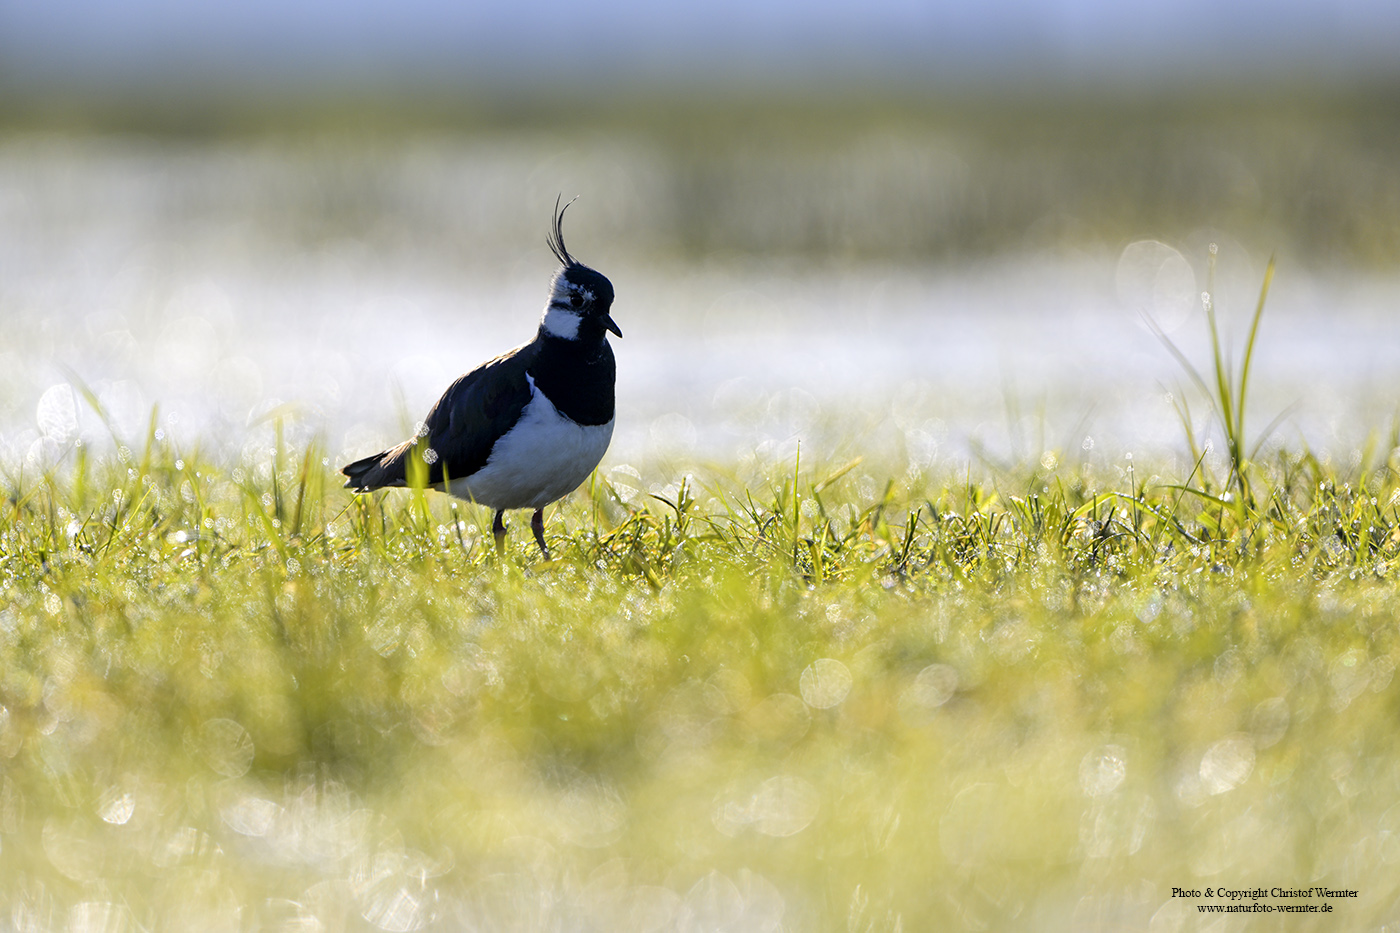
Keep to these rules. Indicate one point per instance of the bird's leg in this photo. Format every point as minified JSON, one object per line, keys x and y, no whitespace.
{"x":498,"y":528}
{"x":537,"y":526}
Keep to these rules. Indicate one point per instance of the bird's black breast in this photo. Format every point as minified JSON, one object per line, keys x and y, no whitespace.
{"x":578,"y":378}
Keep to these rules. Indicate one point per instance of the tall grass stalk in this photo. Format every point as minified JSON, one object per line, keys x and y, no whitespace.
{"x":1226,"y":390}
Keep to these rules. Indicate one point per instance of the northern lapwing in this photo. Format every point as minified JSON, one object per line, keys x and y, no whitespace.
{"x":525,"y":429}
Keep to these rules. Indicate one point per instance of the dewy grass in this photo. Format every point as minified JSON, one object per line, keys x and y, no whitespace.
{"x":242,"y":697}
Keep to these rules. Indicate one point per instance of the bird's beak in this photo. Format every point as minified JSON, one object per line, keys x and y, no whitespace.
{"x":610,"y":324}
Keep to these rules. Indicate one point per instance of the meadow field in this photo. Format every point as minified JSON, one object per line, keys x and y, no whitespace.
{"x":241,"y":699}
{"x":936,"y":578}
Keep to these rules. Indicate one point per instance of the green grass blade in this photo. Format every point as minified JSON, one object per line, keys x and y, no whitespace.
{"x":1249,"y":349}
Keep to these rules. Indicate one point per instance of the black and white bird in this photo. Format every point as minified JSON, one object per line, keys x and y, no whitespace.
{"x":525,"y":429}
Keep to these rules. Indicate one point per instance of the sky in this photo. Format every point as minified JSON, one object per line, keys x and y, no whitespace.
{"x":103,"y":43}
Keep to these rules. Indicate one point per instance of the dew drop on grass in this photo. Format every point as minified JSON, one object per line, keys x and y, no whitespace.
{"x":590,"y":814}
{"x":1103,"y":770}
{"x":71,"y":850}
{"x":1350,"y":675}
{"x":934,"y":686}
{"x":100,"y":917}
{"x":250,"y":816}
{"x":289,"y":916}
{"x":626,"y":481}
{"x":611,"y":904}
{"x":1269,"y":721}
{"x":57,"y":414}
{"x":714,"y":903}
{"x":1151,"y":608}
{"x":1229,"y":667}
{"x":116,"y":808}
{"x":784,"y":806}
{"x":1227,"y":764}
{"x":825,"y":683}
{"x":224,"y":746}
{"x":394,"y":894}
{"x":1382,"y":670}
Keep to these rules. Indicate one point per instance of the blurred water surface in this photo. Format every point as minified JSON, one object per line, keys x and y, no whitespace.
{"x":227,"y":283}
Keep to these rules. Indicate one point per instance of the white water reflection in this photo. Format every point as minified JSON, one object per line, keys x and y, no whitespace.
{"x":127,"y":277}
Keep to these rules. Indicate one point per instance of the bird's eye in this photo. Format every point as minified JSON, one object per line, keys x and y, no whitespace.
{"x":576,"y":300}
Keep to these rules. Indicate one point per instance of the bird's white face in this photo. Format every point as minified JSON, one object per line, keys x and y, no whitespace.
{"x":562,"y":316}
{"x":579,"y":301}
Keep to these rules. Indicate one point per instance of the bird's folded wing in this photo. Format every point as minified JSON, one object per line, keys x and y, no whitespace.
{"x":474,"y":411}
{"x":459,"y":432}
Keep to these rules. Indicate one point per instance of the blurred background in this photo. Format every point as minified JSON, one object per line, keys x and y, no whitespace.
{"x":926,"y":234}
{"x":928,"y":230}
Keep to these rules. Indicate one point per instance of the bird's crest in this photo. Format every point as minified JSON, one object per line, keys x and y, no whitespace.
{"x":556,"y":234}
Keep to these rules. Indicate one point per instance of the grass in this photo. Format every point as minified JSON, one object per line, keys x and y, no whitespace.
{"x":798,"y":696}
{"x":237,"y":697}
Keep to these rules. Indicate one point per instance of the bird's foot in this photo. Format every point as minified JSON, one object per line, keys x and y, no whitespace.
{"x":498,"y":529}
{"x":537,"y":526}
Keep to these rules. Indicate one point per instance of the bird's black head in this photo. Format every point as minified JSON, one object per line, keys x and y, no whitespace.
{"x":579,"y":297}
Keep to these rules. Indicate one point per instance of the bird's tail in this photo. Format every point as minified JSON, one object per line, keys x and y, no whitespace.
{"x":385,"y":468}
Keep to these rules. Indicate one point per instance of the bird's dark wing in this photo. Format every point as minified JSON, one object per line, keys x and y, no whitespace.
{"x":460,"y":430}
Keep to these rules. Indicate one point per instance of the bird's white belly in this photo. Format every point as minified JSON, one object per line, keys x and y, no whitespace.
{"x":544,"y":457}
